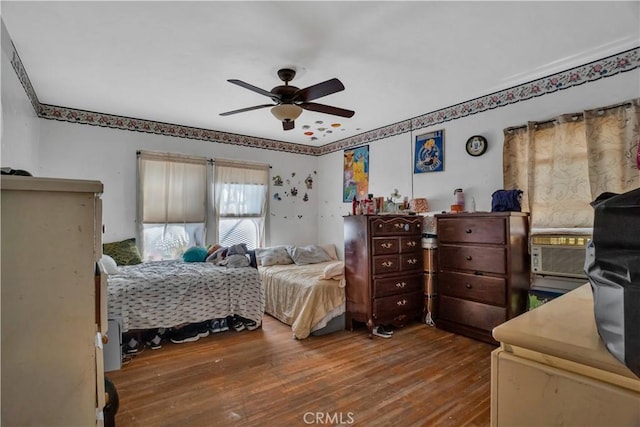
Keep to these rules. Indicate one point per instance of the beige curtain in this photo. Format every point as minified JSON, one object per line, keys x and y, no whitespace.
{"x":564,"y":164}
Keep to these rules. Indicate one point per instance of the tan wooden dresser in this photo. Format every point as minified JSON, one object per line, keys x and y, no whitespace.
{"x":383,"y":269}
{"x":552,"y":369}
{"x":483,"y":271}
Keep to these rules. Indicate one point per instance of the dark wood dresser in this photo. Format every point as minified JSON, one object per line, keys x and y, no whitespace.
{"x":383,"y":269}
{"x":483,"y":271}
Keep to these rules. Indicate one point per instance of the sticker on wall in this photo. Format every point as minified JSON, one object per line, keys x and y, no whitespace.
{"x":309,"y":182}
{"x":299,"y":216}
{"x":277,"y":196}
{"x":305,"y":198}
{"x":294,"y":191}
{"x":293,"y":174}
{"x":277,"y":181}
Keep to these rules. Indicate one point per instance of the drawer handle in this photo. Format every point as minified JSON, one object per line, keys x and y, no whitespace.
{"x":386,"y":245}
{"x":411,"y":243}
{"x":401,"y":285}
{"x":387,"y":263}
{"x":468,"y":285}
{"x":468,"y":231}
{"x":397,"y":225}
{"x":412,"y":261}
{"x":468,"y":258}
{"x":402,"y":302}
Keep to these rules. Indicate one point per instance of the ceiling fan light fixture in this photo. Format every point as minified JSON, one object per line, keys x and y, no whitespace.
{"x":286,"y":112}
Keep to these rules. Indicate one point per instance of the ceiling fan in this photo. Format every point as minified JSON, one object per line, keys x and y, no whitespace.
{"x":290,"y":101}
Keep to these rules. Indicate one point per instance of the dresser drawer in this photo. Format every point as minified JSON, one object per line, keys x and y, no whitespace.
{"x":411,"y":262}
{"x":489,"y":290}
{"x":470,"y":313}
{"x":396,"y":285}
{"x":382,"y":264}
{"x":411,"y":244}
{"x":474,"y":258}
{"x":391,"y":306}
{"x":396,"y":225}
{"x":472,"y":230}
{"x":385,"y":245}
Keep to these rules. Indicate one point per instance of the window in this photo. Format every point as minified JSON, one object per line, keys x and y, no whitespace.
{"x":240,"y":202}
{"x":172,"y":200}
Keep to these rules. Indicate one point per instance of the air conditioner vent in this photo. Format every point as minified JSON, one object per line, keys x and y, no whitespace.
{"x":559,"y":255}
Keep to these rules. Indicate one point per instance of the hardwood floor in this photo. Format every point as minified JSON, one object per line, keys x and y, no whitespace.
{"x":421,"y":377}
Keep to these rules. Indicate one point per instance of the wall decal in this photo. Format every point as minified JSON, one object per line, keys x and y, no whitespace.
{"x":276,"y":196}
{"x":294,"y":191}
{"x":305,"y":198}
{"x":355,"y":173}
{"x":309,"y":182}
{"x":277,"y":181}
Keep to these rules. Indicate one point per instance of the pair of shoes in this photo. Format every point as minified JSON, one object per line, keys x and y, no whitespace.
{"x":224,"y":326}
{"x":132,"y":347}
{"x":237,"y":324}
{"x":249,"y":324}
{"x":155,"y":342}
{"x":379,"y":331}
{"x":185,"y":334}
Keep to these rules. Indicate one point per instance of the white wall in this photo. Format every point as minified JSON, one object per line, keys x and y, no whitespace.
{"x":390,"y":159}
{"x":69,"y":150}
{"x":19,"y":124}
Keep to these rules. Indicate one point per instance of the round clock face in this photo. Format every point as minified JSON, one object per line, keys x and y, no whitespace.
{"x":476,"y":145}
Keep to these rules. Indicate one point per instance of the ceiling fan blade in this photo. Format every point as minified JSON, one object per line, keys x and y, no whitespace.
{"x":321,"y":108}
{"x":242,"y":110}
{"x":319,"y":90}
{"x":288,"y":125}
{"x":256,"y":89}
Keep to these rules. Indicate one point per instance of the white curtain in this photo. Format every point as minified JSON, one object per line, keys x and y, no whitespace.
{"x":241,"y":191}
{"x":172,"y":190}
{"x":564,"y":164}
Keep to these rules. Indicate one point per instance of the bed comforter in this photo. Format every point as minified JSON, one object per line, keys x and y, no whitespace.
{"x":170,"y":293}
{"x":298,"y":296}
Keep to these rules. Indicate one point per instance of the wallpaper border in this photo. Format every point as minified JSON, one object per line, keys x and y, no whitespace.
{"x":592,"y":71}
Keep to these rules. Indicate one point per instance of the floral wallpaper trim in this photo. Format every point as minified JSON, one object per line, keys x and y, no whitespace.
{"x":606,"y":67}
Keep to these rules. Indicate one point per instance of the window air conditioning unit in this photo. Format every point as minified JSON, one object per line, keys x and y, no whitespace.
{"x":559,"y":255}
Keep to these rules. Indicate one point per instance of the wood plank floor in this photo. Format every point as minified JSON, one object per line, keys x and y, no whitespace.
{"x":421,"y":377}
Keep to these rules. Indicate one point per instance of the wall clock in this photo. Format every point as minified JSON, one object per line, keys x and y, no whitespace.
{"x":476,"y":145}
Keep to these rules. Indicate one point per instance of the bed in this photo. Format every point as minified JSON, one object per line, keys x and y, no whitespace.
{"x":164,"y":294}
{"x":309,"y":297}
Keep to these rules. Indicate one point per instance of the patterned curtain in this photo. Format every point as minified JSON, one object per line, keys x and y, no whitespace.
{"x":564,"y":164}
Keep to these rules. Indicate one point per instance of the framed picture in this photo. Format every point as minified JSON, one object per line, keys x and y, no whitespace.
{"x":355,"y":174}
{"x":429,"y":152}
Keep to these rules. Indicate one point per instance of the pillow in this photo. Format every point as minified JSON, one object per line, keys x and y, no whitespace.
{"x":310,"y":254}
{"x":335,"y":270}
{"x":236,"y":260}
{"x":330,"y":249}
{"x":276,"y":255}
{"x":124,"y":252}
{"x":108,"y":264}
{"x":195,"y":254}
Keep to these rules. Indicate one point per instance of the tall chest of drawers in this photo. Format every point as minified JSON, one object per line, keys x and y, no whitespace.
{"x":383,"y":269}
{"x":483,"y":271}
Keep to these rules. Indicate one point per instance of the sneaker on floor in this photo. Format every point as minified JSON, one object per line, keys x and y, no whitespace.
{"x":237,"y":324}
{"x":381,"y":332}
{"x":202,"y":329}
{"x":224,"y":325}
{"x":183,"y":335}
{"x":386,"y":328}
{"x":155,"y":343}
{"x":215,"y":326}
{"x":249,"y":324}
{"x":131,"y":347}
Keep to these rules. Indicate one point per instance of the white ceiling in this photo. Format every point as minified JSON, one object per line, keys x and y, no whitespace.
{"x":169,"y":61}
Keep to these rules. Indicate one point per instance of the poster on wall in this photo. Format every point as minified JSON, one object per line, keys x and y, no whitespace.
{"x":429,"y":152}
{"x":356,"y":174}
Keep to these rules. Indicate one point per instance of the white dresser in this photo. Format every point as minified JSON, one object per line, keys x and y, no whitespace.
{"x":53,"y":307}
{"x":552,"y":369}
